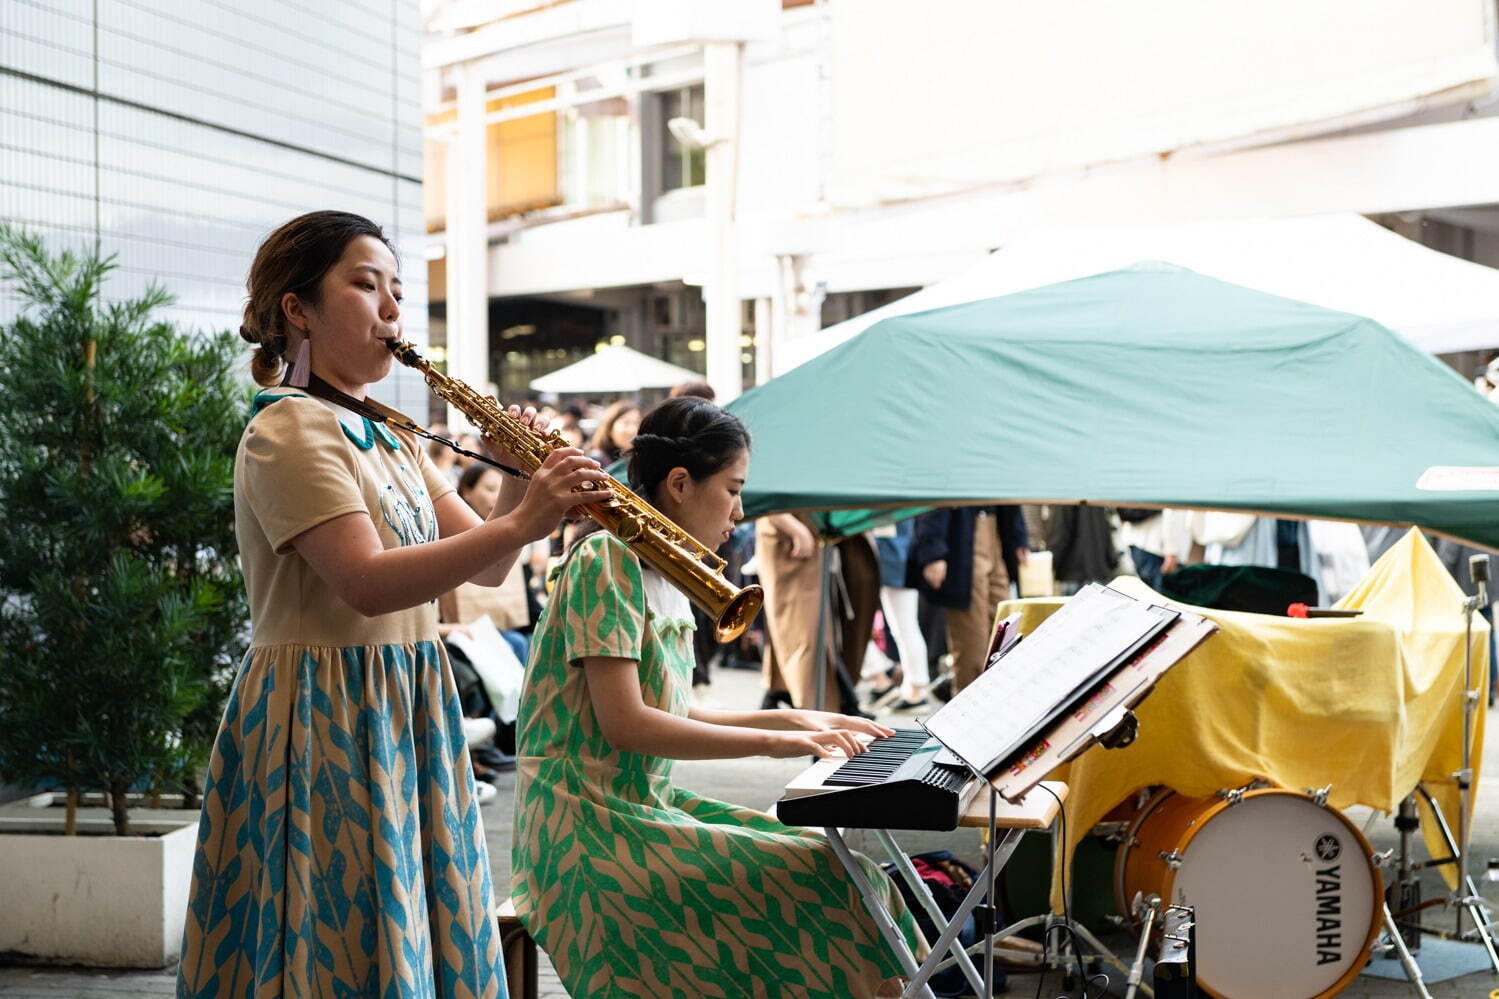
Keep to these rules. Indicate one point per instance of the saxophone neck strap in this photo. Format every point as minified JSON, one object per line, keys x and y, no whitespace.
{"x":381,"y":413}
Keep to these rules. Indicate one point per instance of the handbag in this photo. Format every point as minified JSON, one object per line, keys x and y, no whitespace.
{"x":494,"y":660}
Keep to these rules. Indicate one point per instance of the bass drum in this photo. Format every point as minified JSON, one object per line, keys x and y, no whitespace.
{"x":1287,"y":898}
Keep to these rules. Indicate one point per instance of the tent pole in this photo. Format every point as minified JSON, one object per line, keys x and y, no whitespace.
{"x":824,"y":571}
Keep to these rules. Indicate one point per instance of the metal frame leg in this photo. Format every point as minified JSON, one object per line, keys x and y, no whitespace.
{"x":946,"y":942}
{"x":1137,"y":967}
{"x":882,"y":920}
{"x":928,"y":904}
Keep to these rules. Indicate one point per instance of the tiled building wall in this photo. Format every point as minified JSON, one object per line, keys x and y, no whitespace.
{"x":179,"y":132}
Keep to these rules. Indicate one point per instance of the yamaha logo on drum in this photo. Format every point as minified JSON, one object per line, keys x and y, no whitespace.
{"x":1328,"y":847}
{"x":1329,"y":907}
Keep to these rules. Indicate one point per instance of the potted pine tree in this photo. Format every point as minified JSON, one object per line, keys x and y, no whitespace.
{"x":121,"y":605}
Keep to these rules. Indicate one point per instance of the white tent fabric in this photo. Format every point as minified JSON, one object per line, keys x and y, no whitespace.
{"x":1438,"y":302}
{"x":613,"y":369}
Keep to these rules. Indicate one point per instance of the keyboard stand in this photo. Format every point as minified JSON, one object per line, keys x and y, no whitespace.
{"x":1036,"y":811}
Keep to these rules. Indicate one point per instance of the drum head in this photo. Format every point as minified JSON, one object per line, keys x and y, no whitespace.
{"x":1285,"y":898}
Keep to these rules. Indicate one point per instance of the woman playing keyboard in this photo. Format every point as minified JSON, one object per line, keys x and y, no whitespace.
{"x":634,"y":886}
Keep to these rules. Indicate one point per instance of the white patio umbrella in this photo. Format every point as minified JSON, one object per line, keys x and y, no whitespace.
{"x":615,"y":369}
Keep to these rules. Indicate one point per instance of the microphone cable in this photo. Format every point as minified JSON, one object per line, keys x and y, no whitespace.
{"x":1066,"y":924}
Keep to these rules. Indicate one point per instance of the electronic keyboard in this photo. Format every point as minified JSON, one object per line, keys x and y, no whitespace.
{"x":905,"y":781}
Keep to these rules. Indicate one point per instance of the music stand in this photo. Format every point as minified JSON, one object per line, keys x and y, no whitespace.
{"x":1105,"y":715}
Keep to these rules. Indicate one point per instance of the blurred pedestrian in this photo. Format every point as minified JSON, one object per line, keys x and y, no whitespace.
{"x":1158,"y":541}
{"x":1081,"y":541}
{"x":616,"y":431}
{"x":505,"y":605}
{"x":788,"y":550}
{"x":964,"y":559}
{"x":469,"y":442}
{"x":443,"y":457}
{"x":695,"y":388}
{"x":899,"y":601}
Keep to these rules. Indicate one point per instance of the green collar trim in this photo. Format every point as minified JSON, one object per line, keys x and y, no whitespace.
{"x":372,"y":431}
{"x":264,"y":398}
{"x":389,"y":439}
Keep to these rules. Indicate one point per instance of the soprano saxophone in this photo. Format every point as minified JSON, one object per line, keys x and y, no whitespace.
{"x":690,"y":566}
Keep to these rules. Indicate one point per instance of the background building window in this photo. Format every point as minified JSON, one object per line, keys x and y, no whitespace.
{"x":680,"y":166}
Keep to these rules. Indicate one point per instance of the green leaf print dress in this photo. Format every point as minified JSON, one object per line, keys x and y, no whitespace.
{"x":636,"y":887}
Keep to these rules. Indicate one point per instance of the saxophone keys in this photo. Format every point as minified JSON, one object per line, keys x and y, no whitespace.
{"x":629,"y":529}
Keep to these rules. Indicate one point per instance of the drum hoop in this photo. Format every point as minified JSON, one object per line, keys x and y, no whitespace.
{"x":1168,"y":885}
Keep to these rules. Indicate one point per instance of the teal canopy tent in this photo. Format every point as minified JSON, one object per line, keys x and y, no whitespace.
{"x":1148,"y":386}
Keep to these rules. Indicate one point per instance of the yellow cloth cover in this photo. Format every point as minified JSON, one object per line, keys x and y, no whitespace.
{"x":1370,"y":705}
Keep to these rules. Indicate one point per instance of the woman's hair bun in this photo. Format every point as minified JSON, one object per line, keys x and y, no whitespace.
{"x":685,"y":432}
{"x":650,"y":441}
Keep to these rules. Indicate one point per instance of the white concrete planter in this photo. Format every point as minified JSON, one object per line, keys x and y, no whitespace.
{"x":95,"y":898}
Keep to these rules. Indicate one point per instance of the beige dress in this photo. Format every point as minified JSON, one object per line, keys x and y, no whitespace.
{"x":340,"y":851}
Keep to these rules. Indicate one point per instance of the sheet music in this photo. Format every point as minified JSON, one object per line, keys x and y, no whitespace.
{"x":1029,"y":686}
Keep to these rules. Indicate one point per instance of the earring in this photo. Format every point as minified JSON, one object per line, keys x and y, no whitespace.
{"x":302,"y":366}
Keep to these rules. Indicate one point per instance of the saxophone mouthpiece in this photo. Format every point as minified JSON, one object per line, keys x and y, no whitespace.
{"x":406,"y":354}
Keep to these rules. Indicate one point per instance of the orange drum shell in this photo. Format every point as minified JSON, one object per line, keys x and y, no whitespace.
{"x":1166,"y":825}
{"x":1129,"y":808}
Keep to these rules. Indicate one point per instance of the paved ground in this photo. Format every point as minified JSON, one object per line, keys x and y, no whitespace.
{"x":757,"y":783}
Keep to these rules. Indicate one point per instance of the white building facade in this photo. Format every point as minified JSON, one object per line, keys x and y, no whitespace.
{"x":176,"y":134}
{"x":710,"y":182}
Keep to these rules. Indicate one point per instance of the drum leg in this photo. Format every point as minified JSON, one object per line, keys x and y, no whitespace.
{"x":1412,"y":969}
{"x":1150,"y":908}
{"x":1406,"y":891}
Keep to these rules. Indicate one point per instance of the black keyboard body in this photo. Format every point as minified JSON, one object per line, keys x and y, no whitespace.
{"x":895,"y":785}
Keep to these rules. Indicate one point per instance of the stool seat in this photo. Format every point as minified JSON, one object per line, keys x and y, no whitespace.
{"x":519,"y":951}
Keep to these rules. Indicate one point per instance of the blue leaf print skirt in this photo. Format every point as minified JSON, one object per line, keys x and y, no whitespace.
{"x":340,"y":851}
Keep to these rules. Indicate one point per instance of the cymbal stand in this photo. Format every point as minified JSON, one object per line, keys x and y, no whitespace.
{"x":1472,"y":902}
{"x":1465,"y":896}
{"x":1403,"y":926}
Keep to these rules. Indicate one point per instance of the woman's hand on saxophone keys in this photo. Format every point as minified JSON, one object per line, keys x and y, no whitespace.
{"x":553,"y":490}
{"x":528,"y":419}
